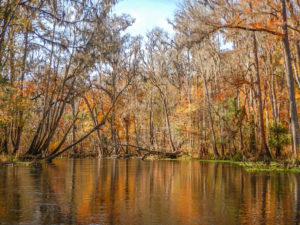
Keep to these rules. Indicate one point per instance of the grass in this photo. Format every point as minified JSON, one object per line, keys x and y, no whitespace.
{"x":271,"y":167}
{"x":10,"y":160}
{"x":276,"y":167}
{"x":15,"y":163}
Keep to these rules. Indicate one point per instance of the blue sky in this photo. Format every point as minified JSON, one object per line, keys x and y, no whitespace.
{"x":148,"y":14}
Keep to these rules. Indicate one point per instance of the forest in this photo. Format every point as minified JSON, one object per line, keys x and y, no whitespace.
{"x":225,"y":85}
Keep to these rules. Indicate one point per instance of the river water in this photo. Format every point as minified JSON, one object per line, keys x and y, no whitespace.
{"x":94,"y":191}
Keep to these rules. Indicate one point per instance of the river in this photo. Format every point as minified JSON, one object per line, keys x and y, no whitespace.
{"x":112,"y":191}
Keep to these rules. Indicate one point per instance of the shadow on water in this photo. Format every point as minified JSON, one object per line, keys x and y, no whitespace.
{"x":94,"y":191}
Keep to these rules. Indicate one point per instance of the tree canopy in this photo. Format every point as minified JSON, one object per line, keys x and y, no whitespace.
{"x":225,"y":85}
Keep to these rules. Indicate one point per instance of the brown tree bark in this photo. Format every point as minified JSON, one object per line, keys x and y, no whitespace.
{"x":290,"y":82}
{"x":211,"y":122}
{"x":126,"y":120}
{"x":166,"y":113}
{"x":264,"y":150}
{"x":151,"y":125}
{"x":168,"y":123}
{"x":99,"y":149}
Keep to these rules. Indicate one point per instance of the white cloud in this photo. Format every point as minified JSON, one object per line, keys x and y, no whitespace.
{"x":148,"y":14}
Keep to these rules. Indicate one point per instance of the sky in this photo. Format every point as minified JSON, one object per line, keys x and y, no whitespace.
{"x":148,"y":14}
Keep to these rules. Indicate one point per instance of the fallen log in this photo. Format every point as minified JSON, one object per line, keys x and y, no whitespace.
{"x":171,"y":155}
{"x":123,"y":156}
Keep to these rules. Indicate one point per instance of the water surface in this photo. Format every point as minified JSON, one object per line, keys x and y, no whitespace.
{"x":92,"y":191}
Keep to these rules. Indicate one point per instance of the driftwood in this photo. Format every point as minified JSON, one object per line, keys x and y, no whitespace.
{"x":171,"y":155}
{"x":123,"y":156}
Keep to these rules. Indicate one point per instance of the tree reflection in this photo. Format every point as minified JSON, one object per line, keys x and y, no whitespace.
{"x":145,"y":192}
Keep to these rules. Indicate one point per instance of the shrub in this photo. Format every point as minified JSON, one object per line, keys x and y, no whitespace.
{"x":237,"y":157}
{"x":278,"y":137}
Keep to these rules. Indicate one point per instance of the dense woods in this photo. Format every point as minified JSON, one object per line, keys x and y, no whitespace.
{"x":224,"y":85}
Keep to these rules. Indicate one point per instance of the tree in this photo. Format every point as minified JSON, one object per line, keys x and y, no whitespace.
{"x":211,"y":17}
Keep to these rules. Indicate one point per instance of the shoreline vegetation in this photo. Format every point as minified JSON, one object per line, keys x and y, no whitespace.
{"x":279,"y":166}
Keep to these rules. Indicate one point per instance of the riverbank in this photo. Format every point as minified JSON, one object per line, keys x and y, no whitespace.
{"x":249,"y":166}
{"x":10,"y":160}
{"x":279,"y":167}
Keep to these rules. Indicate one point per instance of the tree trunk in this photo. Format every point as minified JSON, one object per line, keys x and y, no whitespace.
{"x":127,"y":134}
{"x":165,"y":107}
{"x":99,"y":149}
{"x":168,"y":123}
{"x":211,"y":122}
{"x":19,"y":120}
{"x":112,"y":120}
{"x":151,"y":125}
{"x":298,"y":54}
{"x":74,"y":127}
{"x":264,"y":151}
{"x":290,"y":83}
{"x":297,"y":63}
{"x":4,"y":142}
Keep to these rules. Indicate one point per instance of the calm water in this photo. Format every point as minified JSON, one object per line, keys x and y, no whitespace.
{"x":92,"y":191}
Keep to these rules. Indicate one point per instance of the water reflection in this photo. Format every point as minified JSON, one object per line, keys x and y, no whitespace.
{"x":91,"y":191}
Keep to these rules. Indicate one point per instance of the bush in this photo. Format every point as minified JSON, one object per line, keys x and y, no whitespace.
{"x":237,"y":157}
{"x":278,"y":137}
